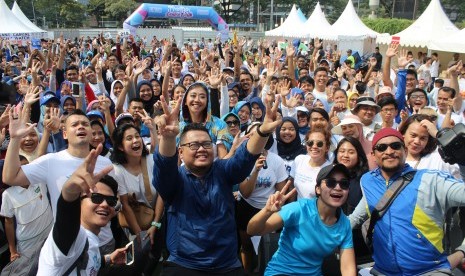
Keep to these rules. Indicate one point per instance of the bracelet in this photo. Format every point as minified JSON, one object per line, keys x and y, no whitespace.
{"x":156,"y":224}
{"x":261,"y":134}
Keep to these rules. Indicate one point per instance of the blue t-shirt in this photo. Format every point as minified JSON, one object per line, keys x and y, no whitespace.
{"x":305,"y":240}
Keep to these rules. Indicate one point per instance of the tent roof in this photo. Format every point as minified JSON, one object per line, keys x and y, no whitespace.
{"x":432,"y":24}
{"x":9,"y":23}
{"x":301,"y":15}
{"x":349,"y":24}
{"x":317,"y":25}
{"x":20,"y":15}
{"x":452,"y":43}
{"x":291,"y":27}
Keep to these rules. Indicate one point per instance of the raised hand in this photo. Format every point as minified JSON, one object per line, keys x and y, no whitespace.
{"x":455,"y":69}
{"x":276,"y":201}
{"x":285,"y":88}
{"x":52,"y":123}
{"x":215,"y":77}
{"x":290,"y":50}
{"x":32,"y":95}
{"x":270,"y":122}
{"x":402,"y":60}
{"x":168,"y":123}
{"x":392,"y":50}
{"x":19,"y":127}
{"x":83,"y":180}
{"x":147,"y":120}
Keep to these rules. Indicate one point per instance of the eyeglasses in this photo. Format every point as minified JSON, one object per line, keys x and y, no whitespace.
{"x":421,"y":97}
{"x":318,"y":143}
{"x":197,"y":145}
{"x":231,"y":123}
{"x":97,"y":198}
{"x":383,"y":147}
{"x":331,"y":183}
{"x":388,"y":110}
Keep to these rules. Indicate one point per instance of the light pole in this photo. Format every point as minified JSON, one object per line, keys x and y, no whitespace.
{"x":271,"y":16}
{"x":258,"y":15}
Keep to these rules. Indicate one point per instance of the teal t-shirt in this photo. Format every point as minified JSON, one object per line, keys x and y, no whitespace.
{"x":305,"y":240}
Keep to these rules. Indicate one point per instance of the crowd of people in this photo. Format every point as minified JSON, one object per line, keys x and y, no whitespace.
{"x":190,"y":149}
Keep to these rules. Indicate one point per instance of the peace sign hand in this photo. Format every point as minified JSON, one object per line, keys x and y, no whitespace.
{"x":168,"y":124}
{"x":277,"y":200}
{"x":83,"y":180}
{"x":147,"y":120}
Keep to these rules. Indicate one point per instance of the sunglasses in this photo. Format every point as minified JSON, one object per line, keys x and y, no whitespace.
{"x":383,"y":147}
{"x":97,"y":198}
{"x":331,"y":183}
{"x":318,"y":143}
{"x":231,"y":123}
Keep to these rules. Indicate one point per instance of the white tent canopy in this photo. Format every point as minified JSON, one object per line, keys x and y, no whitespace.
{"x":317,"y":25}
{"x":452,"y":43}
{"x":432,"y":24}
{"x":291,"y":27}
{"x":13,"y":28}
{"x":20,"y":15}
{"x":350,"y":25}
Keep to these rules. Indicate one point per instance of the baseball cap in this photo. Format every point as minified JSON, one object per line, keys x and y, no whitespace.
{"x":95,"y":113}
{"x":386,"y":132}
{"x":326,"y":171}
{"x":49,"y":96}
{"x":122,"y":116}
{"x":348,"y":119}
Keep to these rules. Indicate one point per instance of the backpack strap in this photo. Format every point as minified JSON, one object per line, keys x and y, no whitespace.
{"x":80,"y":261}
{"x":387,"y":199}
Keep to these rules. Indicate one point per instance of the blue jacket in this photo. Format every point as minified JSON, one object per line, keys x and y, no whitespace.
{"x":201,"y":230}
{"x":407,"y":240}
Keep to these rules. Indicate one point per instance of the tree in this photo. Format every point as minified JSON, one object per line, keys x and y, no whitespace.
{"x":119,"y":10}
{"x":96,"y":8}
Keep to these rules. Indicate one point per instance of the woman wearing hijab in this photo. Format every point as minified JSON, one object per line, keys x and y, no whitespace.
{"x":288,"y":143}
{"x":258,"y":109}
{"x":144,"y":91}
{"x":243,"y":110}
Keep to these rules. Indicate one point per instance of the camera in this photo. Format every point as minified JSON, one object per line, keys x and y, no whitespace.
{"x":451,"y":143}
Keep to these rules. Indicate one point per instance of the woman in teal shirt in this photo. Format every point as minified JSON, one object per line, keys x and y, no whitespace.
{"x":312,"y":228}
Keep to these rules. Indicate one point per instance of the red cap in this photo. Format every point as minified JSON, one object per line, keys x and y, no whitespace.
{"x":385,"y":132}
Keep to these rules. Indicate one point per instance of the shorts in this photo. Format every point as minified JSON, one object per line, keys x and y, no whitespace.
{"x":244,"y":212}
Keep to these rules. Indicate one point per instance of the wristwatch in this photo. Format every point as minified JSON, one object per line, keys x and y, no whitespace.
{"x":156,"y":224}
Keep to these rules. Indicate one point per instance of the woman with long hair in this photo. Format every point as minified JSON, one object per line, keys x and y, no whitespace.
{"x":133,"y":166}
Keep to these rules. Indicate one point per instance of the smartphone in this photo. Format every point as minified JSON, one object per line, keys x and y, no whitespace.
{"x":395,"y":39}
{"x":76,"y":89}
{"x":130,"y":253}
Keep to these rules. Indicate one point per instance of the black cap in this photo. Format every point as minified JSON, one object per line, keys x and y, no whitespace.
{"x":326,"y":171}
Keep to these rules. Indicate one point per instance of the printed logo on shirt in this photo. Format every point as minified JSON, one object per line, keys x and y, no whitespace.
{"x":263,"y":182}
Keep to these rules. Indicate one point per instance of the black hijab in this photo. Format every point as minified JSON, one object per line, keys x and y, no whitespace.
{"x":289,"y":151}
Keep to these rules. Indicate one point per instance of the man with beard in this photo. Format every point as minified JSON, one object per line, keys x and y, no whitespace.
{"x":407,"y":239}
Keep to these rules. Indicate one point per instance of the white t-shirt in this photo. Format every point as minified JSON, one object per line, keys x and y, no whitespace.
{"x":454,"y":116}
{"x":320,"y":95}
{"x":433,"y":161}
{"x":32,"y":212}
{"x":305,"y":176}
{"x":129,"y":183}
{"x":266,"y":181}
{"x":434,"y":69}
{"x":53,"y":262}
{"x":54,"y":169}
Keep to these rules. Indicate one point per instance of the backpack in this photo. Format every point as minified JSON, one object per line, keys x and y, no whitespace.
{"x":28,"y":263}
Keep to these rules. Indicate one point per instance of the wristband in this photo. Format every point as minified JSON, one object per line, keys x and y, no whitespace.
{"x":261,"y":134}
{"x":156,"y":224}
{"x":107,"y":259}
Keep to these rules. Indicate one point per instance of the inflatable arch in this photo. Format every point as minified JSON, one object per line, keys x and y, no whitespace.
{"x":176,"y":12}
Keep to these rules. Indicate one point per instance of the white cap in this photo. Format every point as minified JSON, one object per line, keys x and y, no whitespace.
{"x":348,"y":119}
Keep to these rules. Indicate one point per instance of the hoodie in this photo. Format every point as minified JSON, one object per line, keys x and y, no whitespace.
{"x":216,"y":127}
